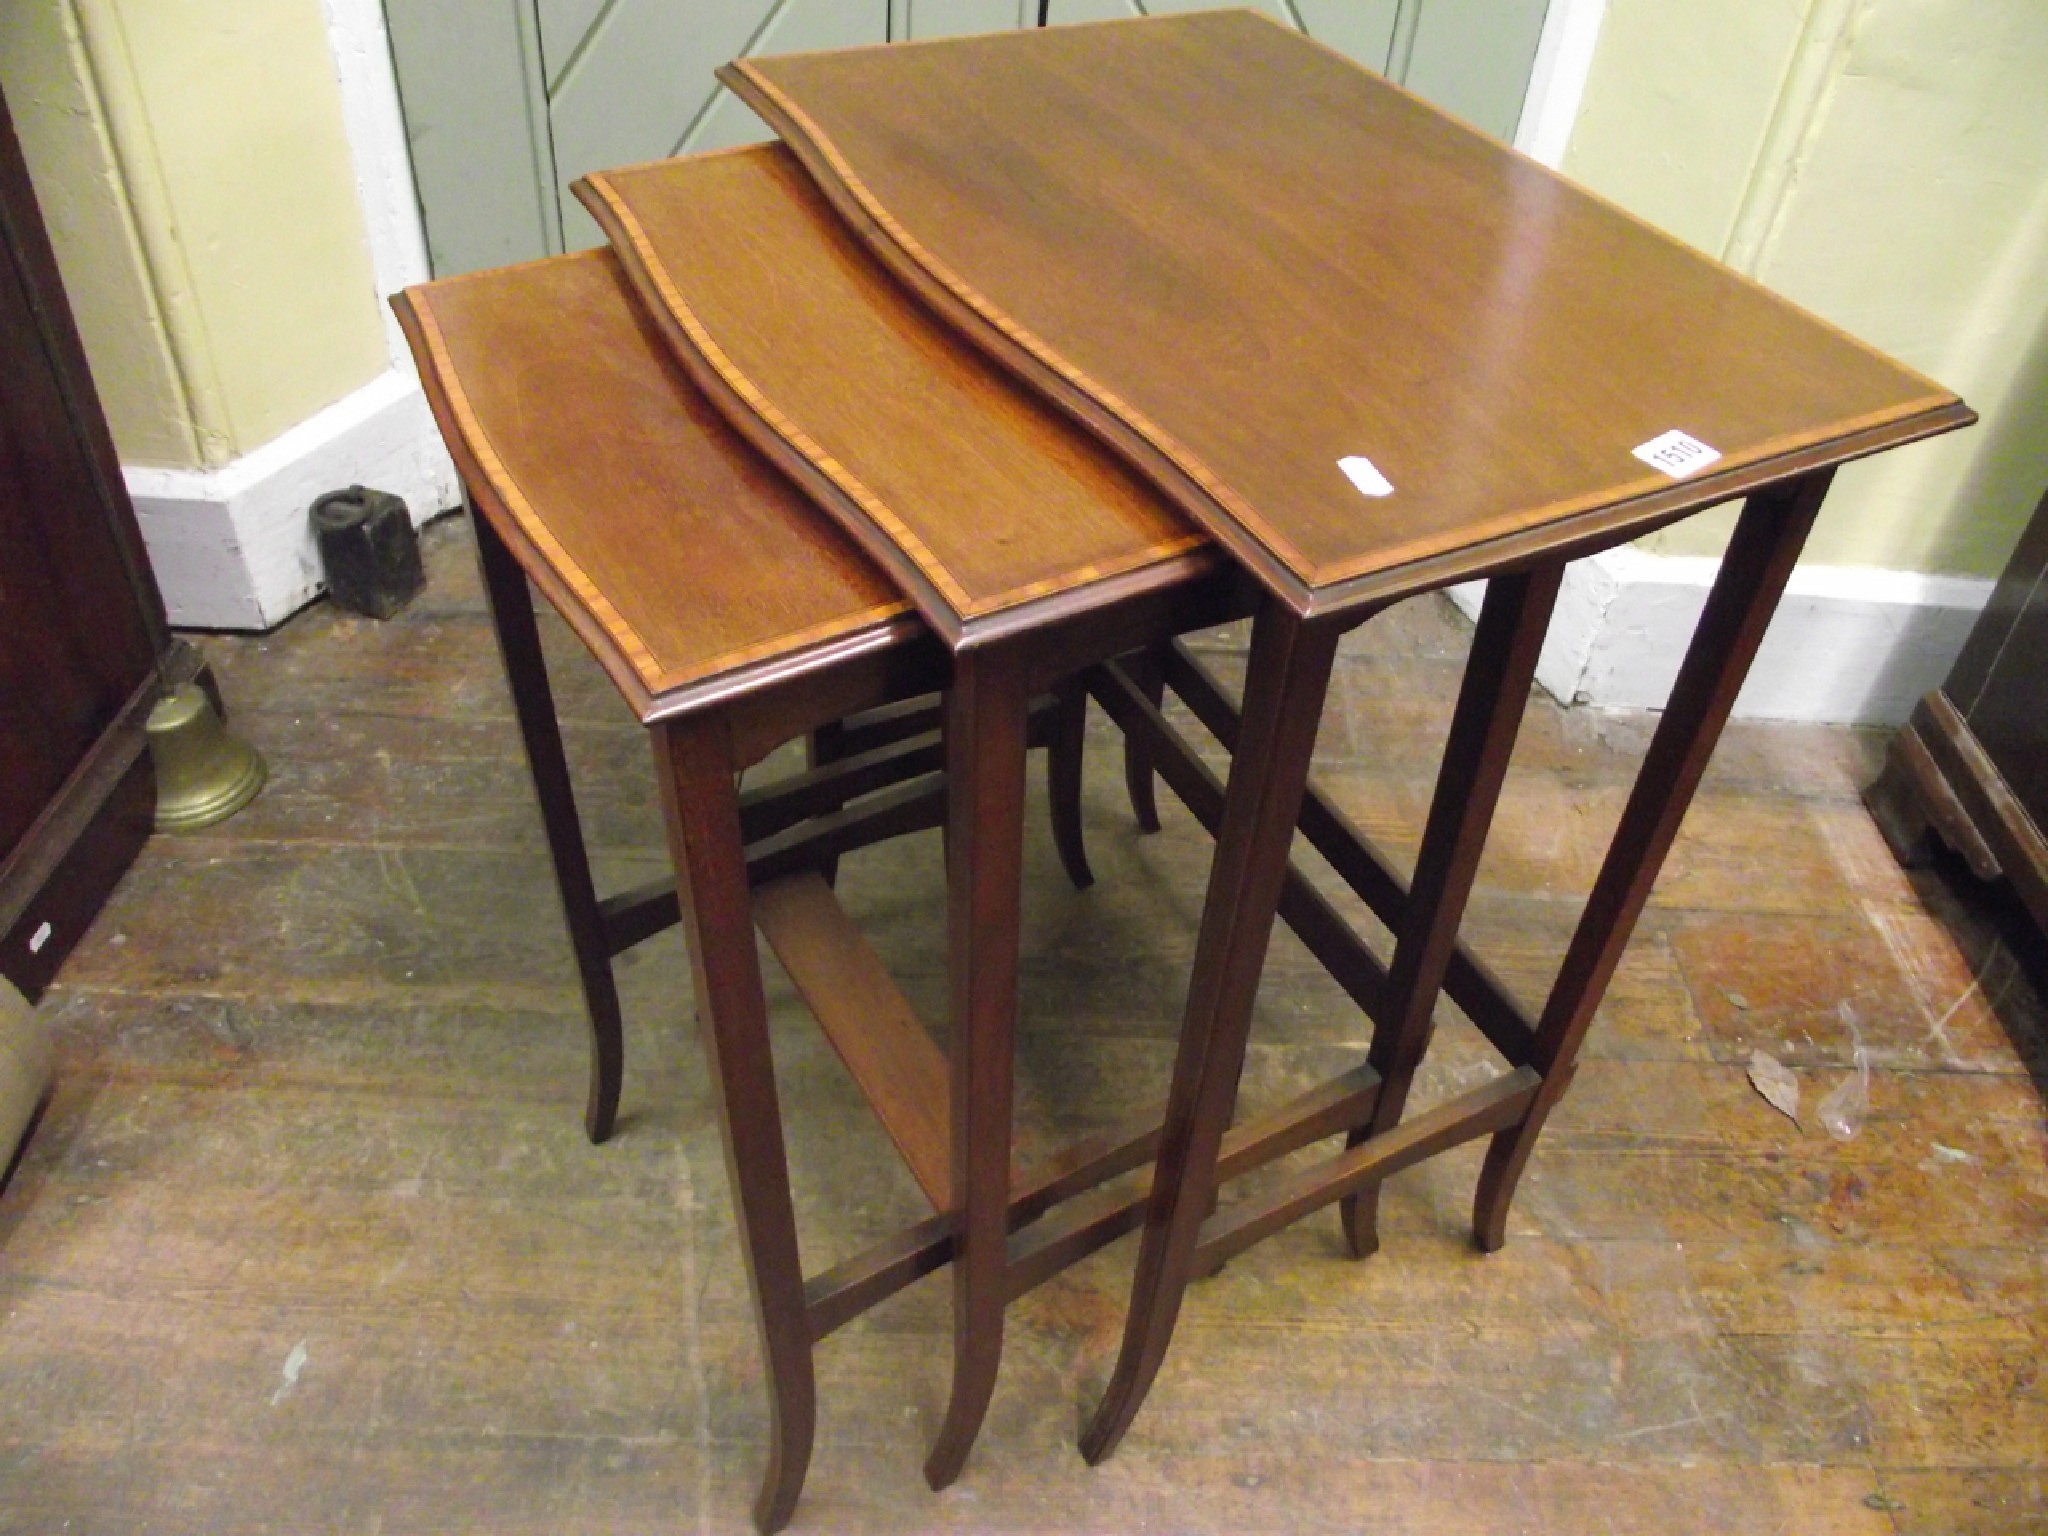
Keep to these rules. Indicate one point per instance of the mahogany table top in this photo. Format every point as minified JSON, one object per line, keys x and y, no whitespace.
{"x":992,"y":510}
{"x":689,"y":565}
{"x":1367,"y":347}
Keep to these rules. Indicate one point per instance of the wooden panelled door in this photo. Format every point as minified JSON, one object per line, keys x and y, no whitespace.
{"x":507,"y":104}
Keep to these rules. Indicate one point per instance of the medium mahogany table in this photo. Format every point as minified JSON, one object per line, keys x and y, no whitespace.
{"x":1032,"y":551}
{"x":1370,"y":352}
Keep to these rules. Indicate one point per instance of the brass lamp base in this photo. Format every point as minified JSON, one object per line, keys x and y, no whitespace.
{"x":203,"y":775}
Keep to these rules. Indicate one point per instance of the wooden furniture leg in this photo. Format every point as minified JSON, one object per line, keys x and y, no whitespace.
{"x":1491,"y":701}
{"x":1059,"y":724}
{"x":1361,"y":865}
{"x":1760,"y":557}
{"x":1145,"y":670}
{"x":1284,"y":690}
{"x":511,"y":606}
{"x":694,"y":762}
{"x":822,"y":746}
{"x":1063,"y":760}
{"x":985,"y":731}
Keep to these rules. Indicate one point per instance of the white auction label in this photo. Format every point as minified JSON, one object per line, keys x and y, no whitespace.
{"x":1676,"y":453}
{"x":1361,"y":472}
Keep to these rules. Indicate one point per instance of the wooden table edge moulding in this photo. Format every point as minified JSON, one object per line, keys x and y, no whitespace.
{"x":1105,"y":209}
{"x":594,"y":469}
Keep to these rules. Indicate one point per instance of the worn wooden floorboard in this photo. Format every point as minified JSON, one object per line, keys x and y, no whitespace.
{"x":309,"y":1239}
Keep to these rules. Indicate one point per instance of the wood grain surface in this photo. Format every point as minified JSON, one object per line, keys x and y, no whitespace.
{"x":1243,"y":259}
{"x":987,"y":504}
{"x":678,"y":553}
{"x":319,"y":1070}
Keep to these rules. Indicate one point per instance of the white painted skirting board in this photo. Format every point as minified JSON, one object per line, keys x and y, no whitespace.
{"x":232,"y":548}
{"x":1849,"y":644}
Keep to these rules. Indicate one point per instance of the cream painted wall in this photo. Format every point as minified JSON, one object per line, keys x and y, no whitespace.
{"x":1676,"y":107}
{"x":241,"y":240}
{"x":63,"y":133}
{"x":1885,"y":163}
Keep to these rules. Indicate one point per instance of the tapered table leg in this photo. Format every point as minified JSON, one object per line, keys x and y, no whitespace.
{"x":1491,"y":702}
{"x":693,"y":759}
{"x":1759,"y":561}
{"x":822,"y":747}
{"x":511,"y":605}
{"x":1145,"y":671}
{"x":1284,"y":690}
{"x":985,"y":715}
{"x":1063,"y":762}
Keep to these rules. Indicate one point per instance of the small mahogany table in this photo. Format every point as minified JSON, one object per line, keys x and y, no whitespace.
{"x":733,"y":617}
{"x":1370,"y":352}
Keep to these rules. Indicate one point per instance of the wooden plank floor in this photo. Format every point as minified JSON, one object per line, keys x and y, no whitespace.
{"x":309,"y":1239}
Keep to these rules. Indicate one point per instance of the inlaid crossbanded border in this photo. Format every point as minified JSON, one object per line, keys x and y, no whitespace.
{"x":1201,"y":490}
{"x":483,"y":467}
{"x":700,"y":348}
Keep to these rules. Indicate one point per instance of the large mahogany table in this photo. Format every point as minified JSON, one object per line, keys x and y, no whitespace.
{"x":1370,"y":352}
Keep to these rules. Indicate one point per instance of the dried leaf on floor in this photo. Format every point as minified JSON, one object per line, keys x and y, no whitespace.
{"x":1774,"y":1080}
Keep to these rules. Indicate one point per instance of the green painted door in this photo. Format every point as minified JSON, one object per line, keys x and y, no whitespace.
{"x":508,"y":101}
{"x":950,"y":18}
{"x":631,"y":80}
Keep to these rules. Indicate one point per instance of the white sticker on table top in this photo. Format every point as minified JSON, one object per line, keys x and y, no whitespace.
{"x":1364,"y":474}
{"x":1677,"y":453}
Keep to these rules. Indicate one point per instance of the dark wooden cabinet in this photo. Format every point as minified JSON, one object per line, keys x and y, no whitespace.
{"x":82,"y":629}
{"x":1971,"y":766}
